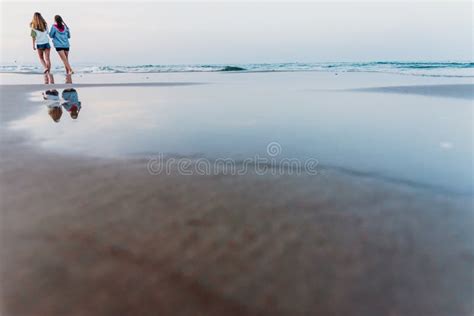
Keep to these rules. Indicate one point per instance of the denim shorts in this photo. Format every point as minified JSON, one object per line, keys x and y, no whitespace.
{"x":62,"y":48}
{"x":43,"y":46}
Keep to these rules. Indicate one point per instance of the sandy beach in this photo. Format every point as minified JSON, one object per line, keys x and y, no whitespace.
{"x":379,"y":230}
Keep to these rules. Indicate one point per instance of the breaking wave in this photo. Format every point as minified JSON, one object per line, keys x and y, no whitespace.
{"x":432,"y":69}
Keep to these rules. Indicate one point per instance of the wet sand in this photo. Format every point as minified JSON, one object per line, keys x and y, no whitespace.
{"x":96,"y":236}
{"x":460,"y":91}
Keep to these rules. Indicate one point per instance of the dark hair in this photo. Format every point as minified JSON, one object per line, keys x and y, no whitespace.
{"x":59,"y":21}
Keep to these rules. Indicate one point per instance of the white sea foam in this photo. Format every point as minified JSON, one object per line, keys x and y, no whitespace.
{"x":432,"y":69}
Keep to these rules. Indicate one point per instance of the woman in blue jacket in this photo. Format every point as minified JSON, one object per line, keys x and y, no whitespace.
{"x":60,"y":35}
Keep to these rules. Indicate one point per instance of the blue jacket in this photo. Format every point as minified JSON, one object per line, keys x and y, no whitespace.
{"x":60,"y":39}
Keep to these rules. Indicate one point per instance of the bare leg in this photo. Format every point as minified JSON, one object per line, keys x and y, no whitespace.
{"x":67,"y":56}
{"x":63,"y":57}
{"x":47,"y":59}
{"x":41,"y":57}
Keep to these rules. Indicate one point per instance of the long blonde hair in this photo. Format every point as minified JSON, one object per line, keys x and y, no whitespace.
{"x":38,"y":23}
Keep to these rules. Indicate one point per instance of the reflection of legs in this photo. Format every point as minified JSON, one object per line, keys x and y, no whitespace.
{"x":68,"y":78}
{"x":41,"y":57}
{"x":48,"y":78}
{"x":63,"y":57}
{"x":47,"y":59}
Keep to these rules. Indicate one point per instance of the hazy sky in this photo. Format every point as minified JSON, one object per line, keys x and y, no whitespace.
{"x":224,"y":32}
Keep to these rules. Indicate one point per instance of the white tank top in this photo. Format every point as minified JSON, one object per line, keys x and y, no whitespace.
{"x":41,"y":37}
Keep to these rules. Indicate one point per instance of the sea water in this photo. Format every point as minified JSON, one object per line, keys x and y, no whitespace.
{"x":421,"y":68}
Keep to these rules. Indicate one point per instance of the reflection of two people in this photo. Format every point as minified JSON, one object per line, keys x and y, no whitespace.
{"x":70,"y":103}
{"x":70,"y":98}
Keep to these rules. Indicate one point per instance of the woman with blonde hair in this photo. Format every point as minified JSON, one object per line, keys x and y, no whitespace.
{"x":39,"y":35}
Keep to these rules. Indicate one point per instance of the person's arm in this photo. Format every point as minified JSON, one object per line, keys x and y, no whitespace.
{"x":33,"y":38}
{"x":52,"y":32}
{"x":68,"y":33}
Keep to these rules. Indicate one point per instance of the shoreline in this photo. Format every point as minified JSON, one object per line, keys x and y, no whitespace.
{"x":439,"y":68}
{"x":237,"y":72}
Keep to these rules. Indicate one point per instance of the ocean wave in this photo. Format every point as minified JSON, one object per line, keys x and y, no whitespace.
{"x":232,"y":68}
{"x":431,"y":69}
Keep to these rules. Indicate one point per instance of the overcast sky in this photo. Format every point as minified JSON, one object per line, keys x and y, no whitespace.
{"x":251,"y":32}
